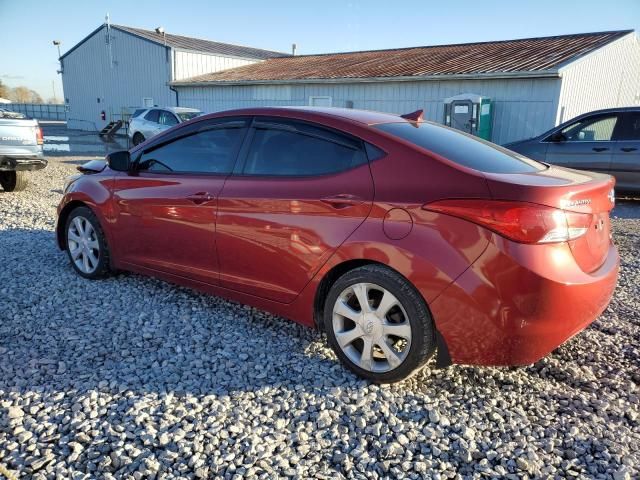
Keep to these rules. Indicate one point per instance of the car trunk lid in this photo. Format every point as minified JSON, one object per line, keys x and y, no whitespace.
{"x":587,"y":193}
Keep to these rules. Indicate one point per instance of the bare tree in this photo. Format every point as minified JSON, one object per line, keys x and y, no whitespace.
{"x":24,"y":95}
{"x":4,"y":90}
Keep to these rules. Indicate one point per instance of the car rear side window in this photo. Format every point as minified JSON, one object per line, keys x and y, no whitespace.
{"x":138,"y":112}
{"x":210,"y":151}
{"x":152,"y":116}
{"x":301,"y":150}
{"x":462,"y":148}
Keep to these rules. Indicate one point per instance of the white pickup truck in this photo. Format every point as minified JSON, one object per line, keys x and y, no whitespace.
{"x":20,"y":151}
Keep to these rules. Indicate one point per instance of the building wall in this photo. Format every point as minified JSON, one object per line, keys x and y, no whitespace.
{"x":139,"y":69}
{"x":609,"y":77}
{"x":191,"y":64}
{"x":522,"y":107}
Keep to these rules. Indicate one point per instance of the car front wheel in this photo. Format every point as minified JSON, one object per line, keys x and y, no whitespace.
{"x":86,"y":244}
{"x":378,"y":324}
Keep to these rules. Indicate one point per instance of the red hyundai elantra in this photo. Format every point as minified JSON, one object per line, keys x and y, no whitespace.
{"x":395,"y":236}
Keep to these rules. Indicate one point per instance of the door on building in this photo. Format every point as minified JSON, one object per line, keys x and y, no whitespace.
{"x":166,"y":211}
{"x":300,"y":192}
{"x":462,"y":116}
{"x":625,"y":160}
{"x":586,"y":144}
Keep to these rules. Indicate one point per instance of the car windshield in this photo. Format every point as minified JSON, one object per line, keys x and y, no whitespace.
{"x":462,"y":148}
{"x":184,"y":116}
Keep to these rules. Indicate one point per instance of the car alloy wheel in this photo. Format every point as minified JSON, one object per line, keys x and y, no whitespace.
{"x":371,"y":327}
{"x":83,"y":244}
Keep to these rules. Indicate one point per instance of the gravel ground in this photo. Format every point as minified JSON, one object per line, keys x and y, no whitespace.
{"x":132,"y":377}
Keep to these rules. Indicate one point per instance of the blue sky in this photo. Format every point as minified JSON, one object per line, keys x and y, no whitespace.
{"x":27,"y":27}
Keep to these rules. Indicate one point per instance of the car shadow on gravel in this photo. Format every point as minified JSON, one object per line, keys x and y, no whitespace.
{"x":137,"y":344}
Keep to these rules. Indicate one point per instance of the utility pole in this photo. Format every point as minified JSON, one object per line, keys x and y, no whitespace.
{"x":53,"y":87}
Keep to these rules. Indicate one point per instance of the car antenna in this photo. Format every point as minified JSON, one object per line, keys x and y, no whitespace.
{"x":414,"y":116}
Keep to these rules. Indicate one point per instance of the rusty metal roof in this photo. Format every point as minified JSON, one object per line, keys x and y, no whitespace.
{"x":200,"y":45}
{"x":522,"y":56}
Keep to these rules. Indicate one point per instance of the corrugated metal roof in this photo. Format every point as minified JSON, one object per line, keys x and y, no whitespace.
{"x":525,"y":56}
{"x":189,"y":43}
{"x":200,"y":45}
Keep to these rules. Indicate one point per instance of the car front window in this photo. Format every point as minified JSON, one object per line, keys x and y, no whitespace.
{"x":591,"y":129}
{"x":185,"y":116}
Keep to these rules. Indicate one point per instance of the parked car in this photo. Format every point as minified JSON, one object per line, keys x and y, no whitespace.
{"x":605,"y":141}
{"x":396,"y":237}
{"x":146,"y":123}
{"x":20,"y":151}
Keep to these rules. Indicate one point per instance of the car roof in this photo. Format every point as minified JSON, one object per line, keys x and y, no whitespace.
{"x":171,"y":109}
{"x":611,"y":110}
{"x":366,"y":117}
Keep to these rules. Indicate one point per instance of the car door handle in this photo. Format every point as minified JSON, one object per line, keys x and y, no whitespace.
{"x":343,"y":200}
{"x":599,"y":149}
{"x":200,"y":197}
{"x":628,"y":149}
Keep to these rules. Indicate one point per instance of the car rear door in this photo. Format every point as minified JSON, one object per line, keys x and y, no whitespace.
{"x":166,"y":210}
{"x":625,"y":163}
{"x":151,"y":123}
{"x":300,"y":192}
{"x":586,"y":144}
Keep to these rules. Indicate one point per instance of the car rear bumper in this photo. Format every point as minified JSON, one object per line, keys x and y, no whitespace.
{"x":516,"y":303}
{"x":10,"y":163}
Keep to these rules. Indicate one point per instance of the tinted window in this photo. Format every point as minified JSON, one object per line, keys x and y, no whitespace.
{"x":591,"y":129}
{"x":152,"y":116}
{"x":138,"y":112}
{"x":301,"y":151}
{"x":209,"y":151}
{"x":168,"y":118}
{"x":632,"y":126}
{"x":462,"y":148}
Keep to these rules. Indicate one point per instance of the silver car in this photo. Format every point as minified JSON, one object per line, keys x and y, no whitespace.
{"x":602,"y":141}
{"x":148,"y":122}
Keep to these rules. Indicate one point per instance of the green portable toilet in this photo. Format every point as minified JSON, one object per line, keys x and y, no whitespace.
{"x":470,"y":113}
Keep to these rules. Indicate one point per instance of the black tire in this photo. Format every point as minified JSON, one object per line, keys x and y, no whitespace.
{"x":138,"y":138}
{"x":103,"y":267}
{"x":423,"y":339}
{"x":13,"y":181}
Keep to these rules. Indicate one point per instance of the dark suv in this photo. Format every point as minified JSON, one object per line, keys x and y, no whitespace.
{"x":603,"y":141}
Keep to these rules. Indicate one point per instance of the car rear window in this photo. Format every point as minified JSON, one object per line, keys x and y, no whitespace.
{"x":462,"y":148}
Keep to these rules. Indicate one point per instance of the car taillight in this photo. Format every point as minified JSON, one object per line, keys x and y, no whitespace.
{"x":519,"y":221}
{"x":39,"y":137}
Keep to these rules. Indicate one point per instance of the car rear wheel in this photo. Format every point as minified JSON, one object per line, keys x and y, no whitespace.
{"x":138,"y":138}
{"x":86,"y":244}
{"x":13,"y":181}
{"x":378,"y":324}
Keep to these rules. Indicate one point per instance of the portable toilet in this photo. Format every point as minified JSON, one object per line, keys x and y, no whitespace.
{"x":470,"y":113}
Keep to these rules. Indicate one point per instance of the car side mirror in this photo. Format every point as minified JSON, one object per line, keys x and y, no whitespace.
{"x":119,"y":161}
{"x":558,"y":137}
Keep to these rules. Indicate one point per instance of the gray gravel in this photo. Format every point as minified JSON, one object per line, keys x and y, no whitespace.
{"x":131,"y":377}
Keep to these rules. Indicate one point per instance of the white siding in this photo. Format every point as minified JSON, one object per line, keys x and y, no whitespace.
{"x":609,"y":77}
{"x":191,"y":64}
{"x":139,"y":69}
{"x":522,"y":107}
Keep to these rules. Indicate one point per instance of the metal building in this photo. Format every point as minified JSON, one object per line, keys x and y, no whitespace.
{"x":534,"y":83}
{"x":116,"y":68}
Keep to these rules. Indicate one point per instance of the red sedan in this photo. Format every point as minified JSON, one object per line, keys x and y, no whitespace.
{"x":396,"y":237}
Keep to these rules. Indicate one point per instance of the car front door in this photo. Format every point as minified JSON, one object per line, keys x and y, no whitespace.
{"x":301,"y":191}
{"x":166,"y":208}
{"x":586,"y":144}
{"x":625,"y":163}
